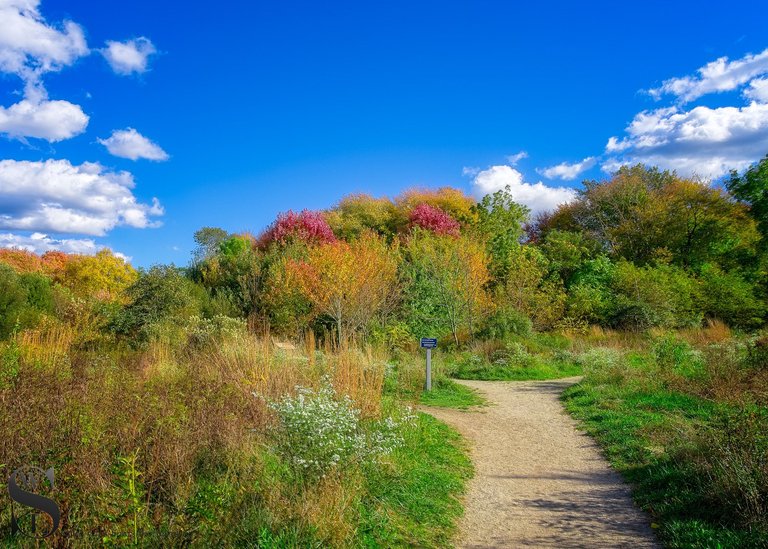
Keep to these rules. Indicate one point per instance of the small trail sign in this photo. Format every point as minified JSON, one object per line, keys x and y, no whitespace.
{"x":429,"y":343}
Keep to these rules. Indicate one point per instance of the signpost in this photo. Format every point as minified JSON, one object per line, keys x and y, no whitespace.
{"x":429,"y":343}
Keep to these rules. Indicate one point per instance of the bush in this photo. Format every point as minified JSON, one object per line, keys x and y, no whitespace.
{"x":319,"y":432}
{"x":676,"y":355}
{"x":505,"y":322}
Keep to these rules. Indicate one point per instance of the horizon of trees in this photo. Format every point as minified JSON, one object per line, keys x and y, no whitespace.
{"x":643,"y":248}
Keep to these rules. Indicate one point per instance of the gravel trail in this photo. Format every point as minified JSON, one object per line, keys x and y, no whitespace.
{"x":539,"y":482}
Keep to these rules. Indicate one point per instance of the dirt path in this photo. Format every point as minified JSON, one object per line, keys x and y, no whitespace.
{"x":539,"y":482}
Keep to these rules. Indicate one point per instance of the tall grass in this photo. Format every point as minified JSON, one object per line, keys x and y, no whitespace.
{"x":168,"y":445}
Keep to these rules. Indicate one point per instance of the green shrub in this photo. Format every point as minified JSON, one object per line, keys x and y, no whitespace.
{"x":674,"y":354}
{"x":505,"y":322}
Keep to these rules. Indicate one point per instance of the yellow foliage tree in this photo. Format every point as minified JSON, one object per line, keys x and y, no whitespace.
{"x":104,"y":276}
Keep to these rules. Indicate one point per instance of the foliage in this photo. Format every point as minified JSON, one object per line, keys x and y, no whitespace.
{"x":751,"y":187}
{"x":350,"y":283}
{"x":359,"y":213}
{"x":499,"y":221}
{"x":160,"y":294}
{"x":445,"y":282}
{"x":306,"y":226}
{"x":433,"y":219}
{"x":104,"y":275}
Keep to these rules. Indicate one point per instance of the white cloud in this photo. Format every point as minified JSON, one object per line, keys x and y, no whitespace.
{"x":537,"y":196}
{"x":719,"y":75}
{"x":49,"y":120}
{"x":29,"y":46}
{"x":513,"y":159}
{"x":704,"y":141}
{"x":469,"y":170}
{"x":58,"y":197}
{"x":40,"y":243}
{"x":757,"y":90}
{"x":129,"y":143}
{"x":566,"y":171}
{"x":130,"y":56}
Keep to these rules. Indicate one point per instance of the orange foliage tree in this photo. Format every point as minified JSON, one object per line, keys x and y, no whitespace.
{"x":351,"y":283}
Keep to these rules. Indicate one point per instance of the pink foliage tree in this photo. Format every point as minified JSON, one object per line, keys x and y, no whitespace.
{"x":307,"y":226}
{"x":434,"y":219}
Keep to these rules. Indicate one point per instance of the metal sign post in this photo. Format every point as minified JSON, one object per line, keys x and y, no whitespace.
{"x":429,"y":343}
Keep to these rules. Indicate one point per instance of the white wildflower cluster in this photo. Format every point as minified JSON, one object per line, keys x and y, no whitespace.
{"x":320,"y":431}
{"x":202,"y":332}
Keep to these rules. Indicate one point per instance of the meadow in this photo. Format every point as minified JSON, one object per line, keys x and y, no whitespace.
{"x":265,"y":394}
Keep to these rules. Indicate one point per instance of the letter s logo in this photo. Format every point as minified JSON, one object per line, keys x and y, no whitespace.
{"x":20,"y":482}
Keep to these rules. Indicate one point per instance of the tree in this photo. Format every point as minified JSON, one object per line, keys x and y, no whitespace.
{"x":751,"y":187}
{"x":104,"y":276}
{"x":433,"y":219}
{"x":160,"y":294}
{"x":446,"y":282}
{"x":208,"y":240}
{"x":360,"y":212}
{"x":528,"y":288}
{"x":641,"y":214}
{"x":500,"y":223}
{"x":307,"y":226}
{"x":351,"y":283}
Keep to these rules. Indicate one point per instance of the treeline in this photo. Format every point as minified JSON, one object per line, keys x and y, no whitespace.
{"x":644,"y":248}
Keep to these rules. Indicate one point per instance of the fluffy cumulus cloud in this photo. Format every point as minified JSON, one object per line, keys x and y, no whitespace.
{"x":720,"y":75}
{"x":129,"y":143}
{"x":566,"y":171}
{"x":701,"y":140}
{"x":129,"y":57}
{"x":29,"y":48}
{"x":537,"y":196}
{"x":56,"y":196}
{"x":49,"y":120}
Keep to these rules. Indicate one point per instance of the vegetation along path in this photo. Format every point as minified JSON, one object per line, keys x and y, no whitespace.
{"x":539,"y":481}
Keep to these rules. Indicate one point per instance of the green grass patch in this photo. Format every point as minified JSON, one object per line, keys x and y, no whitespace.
{"x":447,"y":393}
{"x":414,"y":503}
{"x":649,"y":434}
{"x":523,"y":371}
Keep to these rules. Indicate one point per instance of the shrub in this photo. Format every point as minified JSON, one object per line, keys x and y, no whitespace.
{"x":677,"y":355}
{"x":505,"y":322}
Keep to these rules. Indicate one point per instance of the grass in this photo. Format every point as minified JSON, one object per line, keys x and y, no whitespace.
{"x":447,"y":393}
{"x":415,"y":502}
{"x":657,"y":437}
{"x":517,"y":372}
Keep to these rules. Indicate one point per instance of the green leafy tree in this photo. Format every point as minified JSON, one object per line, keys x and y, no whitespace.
{"x":751,"y":187}
{"x":500,"y":222}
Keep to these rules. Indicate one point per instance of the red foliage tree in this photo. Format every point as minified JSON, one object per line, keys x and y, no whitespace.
{"x":307,"y":226}
{"x":433,"y":219}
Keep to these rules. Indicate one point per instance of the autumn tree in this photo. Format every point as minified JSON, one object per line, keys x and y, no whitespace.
{"x":103,"y":275}
{"x":306,"y":226}
{"x":351,"y":283}
{"x":446,"y":282}
{"x":433,"y":219}
{"x":358,"y":213}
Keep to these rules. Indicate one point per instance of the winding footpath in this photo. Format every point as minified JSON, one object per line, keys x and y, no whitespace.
{"x":539,"y":481}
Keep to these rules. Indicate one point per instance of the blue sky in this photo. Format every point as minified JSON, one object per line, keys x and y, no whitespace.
{"x":130,"y":125}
